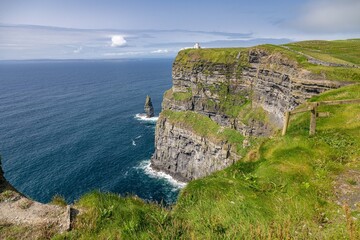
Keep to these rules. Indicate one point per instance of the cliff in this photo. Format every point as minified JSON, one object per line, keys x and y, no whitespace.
{"x":149,"y":109}
{"x":286,"y":187}
{"x":244,"y":90}
{"x":23,"y":218}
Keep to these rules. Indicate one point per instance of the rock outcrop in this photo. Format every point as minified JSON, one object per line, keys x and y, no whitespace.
{"x":188,"y":155}
{"x":248,"y":91}
{"x":16,"y":209}
{"x":149,"y":109}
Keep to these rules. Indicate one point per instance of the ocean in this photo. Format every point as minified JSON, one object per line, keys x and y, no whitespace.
{"x":70,"y":127}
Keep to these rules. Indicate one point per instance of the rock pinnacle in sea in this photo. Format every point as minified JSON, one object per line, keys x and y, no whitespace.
{"x":149,"y":109}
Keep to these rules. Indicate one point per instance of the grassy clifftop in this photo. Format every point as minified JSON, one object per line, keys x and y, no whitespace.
{"x":341,"y":51}
{"x":291,"y":187}
{"x":344,"y":52}
{"x":286,"y":187}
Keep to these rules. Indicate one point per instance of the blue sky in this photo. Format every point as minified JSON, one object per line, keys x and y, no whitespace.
{"x":65,"y":29}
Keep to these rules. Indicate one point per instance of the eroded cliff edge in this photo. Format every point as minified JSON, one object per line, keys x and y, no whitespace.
{"x":29,"y":218}
{"x":220,"y":99}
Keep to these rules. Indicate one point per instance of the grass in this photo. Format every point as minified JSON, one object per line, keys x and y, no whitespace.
{"x":341,"y":51}
{"x":109,"y":216}
{"x":249,"y":113}
{"x":7,"y":194}
{"x":213,"y":55}
{"x":179,"y":96}
{"x":59,"y":201}
{"x":232,"y":60}
{"x":282,"y":189}
{"x":330,"y":73}
{"x":230,"y":103}
{"x":205,"y":127}
{"x":16,"y":232}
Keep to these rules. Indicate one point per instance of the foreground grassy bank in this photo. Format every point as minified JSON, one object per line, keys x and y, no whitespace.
{"x":284,"y":188}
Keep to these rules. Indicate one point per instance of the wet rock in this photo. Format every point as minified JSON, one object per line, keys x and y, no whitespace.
{"x":149,"y":109}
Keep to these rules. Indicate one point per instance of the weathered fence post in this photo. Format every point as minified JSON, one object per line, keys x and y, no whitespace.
{"x":312,"y":120}
{"x":312,"y":107}
{"x":286,"y":123}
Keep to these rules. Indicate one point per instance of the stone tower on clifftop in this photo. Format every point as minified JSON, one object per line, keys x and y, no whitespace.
{"x":149,"y":109}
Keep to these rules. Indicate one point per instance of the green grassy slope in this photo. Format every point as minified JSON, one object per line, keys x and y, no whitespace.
{"x":341,"y":51}
{"x":283,"y":188}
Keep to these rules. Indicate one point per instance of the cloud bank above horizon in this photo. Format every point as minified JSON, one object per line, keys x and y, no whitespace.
{"x":39,"y":42}
{"x":118,"y":29}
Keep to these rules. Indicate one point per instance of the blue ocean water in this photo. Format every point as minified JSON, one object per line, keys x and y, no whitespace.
{"x":69,"y":127}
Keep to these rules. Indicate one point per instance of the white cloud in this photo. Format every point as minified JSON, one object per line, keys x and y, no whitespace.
{"x":330,"y":16}
{"x":160,"y":51}
{"x":118,"y":41}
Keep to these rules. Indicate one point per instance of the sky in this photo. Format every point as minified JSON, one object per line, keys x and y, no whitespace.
{"x":89,"y":29}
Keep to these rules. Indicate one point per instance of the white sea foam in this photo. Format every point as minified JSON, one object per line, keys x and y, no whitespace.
{"x":145,"y":166}
{"x":142,"y":117}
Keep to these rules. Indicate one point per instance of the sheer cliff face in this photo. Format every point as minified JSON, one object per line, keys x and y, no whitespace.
{"x":248,"y":91}
{"x":186,"y":155}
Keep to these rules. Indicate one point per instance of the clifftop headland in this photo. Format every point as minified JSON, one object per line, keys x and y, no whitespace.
{"x":222,"y":98}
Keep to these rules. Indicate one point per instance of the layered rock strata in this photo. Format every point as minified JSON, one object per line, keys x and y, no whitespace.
{"x":148,"y":107}
{"x":186,"y":155}
{"x":248,"y":92}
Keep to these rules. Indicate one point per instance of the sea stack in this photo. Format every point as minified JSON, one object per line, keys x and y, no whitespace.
{"x":149,"y":109}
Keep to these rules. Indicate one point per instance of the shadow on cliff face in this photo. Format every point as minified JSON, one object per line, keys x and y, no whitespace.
{"x":4,"y":184}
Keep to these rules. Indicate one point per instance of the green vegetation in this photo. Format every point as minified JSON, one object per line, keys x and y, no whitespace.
{"x":248,"y":113}
{"x":58,"y":200}
{"x":183,"y":96}
{"x":282,"y":189}
{"x":213,"y":55}
{"x":233,"y":60}
{"x":229,"y":103}
{"x":330,"y":73}
{"x":205,"y":127}
{"x":178,"y":96}
{"x":341,"y":51}
{"x":15,"y":232}
{"x":7,"y":194}
{"x":109,"y":216}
